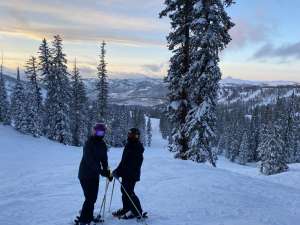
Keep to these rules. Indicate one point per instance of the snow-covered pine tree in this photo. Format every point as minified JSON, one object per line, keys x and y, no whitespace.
{"x":165,"y":126}
{"x":45,"y":63}
{"x":179,"y":12}
{"x":138,"y":121}
{"x":124,"y":122}
{"x":117,"y":133}
{"x":91,"y":116}
{"x":102,"y":86}
{"x":209,"y":35}
{"x":221,"y":145}
{"x":18,"y":99}
{"x":32,"y":75}
{"x":271,"y":152}
{"x":244,"y":150}
{"x":119,"y":124}
{"x":57,"y":102}
{"x":4,"y":103}
{"x":48,"y":79}
{"x":78,"y":112}
{"x":149,"y":132}
{"x":234,"y":144}
{"x":33,"y":100}
{"x":297,"y":155}
{"x":255,"y":126}
{"x":289,"y":131}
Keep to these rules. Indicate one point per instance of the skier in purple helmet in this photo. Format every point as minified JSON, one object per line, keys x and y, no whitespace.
{"x":93,"y":164}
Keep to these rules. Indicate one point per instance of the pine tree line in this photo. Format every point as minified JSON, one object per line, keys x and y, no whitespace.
{"x":66,"y":114}
{"x":4,"y":102}
{"x":121,"y":119}
{"x":268,"y":134}
{"x":199,"y":32}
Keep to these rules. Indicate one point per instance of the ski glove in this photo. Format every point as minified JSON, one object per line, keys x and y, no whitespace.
{"x":106,"y":173}
{"x":110,"y":176}
{"x":115,"y":174}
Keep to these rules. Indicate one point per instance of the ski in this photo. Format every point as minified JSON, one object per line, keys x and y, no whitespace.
{"x":95,"y":221}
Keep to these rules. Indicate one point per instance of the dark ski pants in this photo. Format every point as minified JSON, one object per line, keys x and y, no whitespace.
{"x":90,"y":189}
{"x":127,"y":205}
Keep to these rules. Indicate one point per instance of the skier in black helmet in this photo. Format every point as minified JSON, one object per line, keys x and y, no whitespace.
{"x":93,"y":164}
{"x":129,"y":170}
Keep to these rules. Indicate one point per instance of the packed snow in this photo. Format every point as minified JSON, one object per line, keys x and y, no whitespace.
{"x":39,"y":185}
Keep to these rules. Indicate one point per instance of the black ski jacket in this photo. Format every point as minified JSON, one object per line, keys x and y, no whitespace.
{"x":131,"y":162}
{"x":94,"y":159}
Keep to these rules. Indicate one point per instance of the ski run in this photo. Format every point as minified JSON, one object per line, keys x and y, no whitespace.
{"x":39,"y":186}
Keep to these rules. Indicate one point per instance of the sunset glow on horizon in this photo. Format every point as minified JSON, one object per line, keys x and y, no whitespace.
{"x":265,"y":45}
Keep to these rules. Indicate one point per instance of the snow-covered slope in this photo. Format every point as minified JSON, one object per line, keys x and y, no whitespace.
{"x":255,"y":92}
{"x":230,"y":81}
{"x":39,"y":185}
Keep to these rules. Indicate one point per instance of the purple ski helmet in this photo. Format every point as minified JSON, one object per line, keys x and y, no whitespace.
{"x":99,"y":129}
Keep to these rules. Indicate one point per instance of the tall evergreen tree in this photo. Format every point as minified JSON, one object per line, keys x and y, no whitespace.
{"x":255,"y":125}
{"x":33,"y":100}
{"x":45,"y":63}
{"x":32,"y":75}
{"x":57,"y":102}
{"x":149,"y":132}
{"x":165,"y":126}
{"x":120,"y":123}
{"x":210,"y":35}
{"x":297,"y":155}
{"x":4,"y":103}
{"x":18,"y":105}
{"x":62,"y":92}
{"x":138,"y":121}
{"x":78,"y":112}
{"x":271,"y":152}
{"x":179,"y":12}
{"x":199,"y":32}
{"x":91,"y":116}
{"x":289,"y":131}
{"x":102,"y":86}
{"x":48,"y":79}
{"x":244,"y":150}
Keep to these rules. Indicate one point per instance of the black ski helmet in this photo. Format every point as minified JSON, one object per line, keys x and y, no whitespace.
{"x":134,"y":133}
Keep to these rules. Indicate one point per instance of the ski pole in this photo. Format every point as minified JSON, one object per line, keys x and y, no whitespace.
{"x":104,"y":198}
{"x":132,"y":202}
{"x":112,"y":193}
{"x":103,"y":202}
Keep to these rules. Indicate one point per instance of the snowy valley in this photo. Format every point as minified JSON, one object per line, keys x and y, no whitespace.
{"x":147,"y":91}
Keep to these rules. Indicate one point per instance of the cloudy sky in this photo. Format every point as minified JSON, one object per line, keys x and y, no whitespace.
{"x":265,"y":46}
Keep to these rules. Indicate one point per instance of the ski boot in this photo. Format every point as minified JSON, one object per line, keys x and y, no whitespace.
{"x":127,"y":216}
{"x":144,"y":216}
{"x":119,"y":213}
{"x":98,"y":219}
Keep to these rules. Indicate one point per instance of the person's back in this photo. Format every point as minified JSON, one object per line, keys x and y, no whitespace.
{"x":94,"y":158}
{"x":130,"y":170}
{"x":93,"y":164}
{"x":132,"y":159}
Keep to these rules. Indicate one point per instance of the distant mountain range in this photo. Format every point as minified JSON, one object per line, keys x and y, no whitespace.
{"x":229,"y":81}
{"x":152,"y":91}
